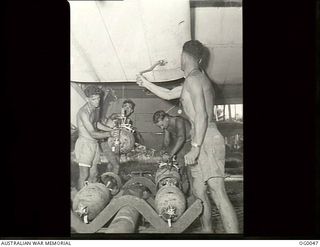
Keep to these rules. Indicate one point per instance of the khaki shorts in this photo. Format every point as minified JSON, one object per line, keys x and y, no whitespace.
{"x":212,"y":156}
{"x":87,"y":151}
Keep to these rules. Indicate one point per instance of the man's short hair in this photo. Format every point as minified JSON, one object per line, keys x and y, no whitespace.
{"x":92,"y":90}
{"x":159,"y":116}
{"x":129,"y":101}
{"x":194,"y":48}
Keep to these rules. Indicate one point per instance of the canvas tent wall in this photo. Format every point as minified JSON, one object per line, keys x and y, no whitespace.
{"x":111,"y":41}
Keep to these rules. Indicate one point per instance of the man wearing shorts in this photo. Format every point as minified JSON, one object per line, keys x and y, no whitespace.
{"x":87,"y":148}
{"x":207,"y":155}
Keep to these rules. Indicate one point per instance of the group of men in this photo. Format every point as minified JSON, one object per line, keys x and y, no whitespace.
{"x":195,"y":142}
{"x":91,"y":131}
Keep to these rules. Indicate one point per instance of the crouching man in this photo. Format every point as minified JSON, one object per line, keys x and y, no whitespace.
{"x":176,"y":141}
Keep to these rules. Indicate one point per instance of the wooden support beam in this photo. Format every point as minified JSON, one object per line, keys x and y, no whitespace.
{"x":229,"y":111}
{"x":215,"y":3}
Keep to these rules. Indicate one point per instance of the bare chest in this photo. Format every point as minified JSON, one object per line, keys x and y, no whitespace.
{"x":94,"y":116}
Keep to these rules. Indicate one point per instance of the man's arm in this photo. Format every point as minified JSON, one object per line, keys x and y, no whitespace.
{"x":161,"y":92}
{"x":201,"y":117}
{"x":181,"y":137}
{"x":166,"y":139}
{"x":88,"y":125}
{"x":103,"y":127}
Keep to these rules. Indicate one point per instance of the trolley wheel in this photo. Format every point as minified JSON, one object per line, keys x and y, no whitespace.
{"x":112,"y":181}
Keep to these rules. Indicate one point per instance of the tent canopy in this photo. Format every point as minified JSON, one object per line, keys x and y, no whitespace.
{"x":112,"y":41}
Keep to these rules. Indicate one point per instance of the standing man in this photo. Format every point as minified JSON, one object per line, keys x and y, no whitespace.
{"x":207,"y":155}
{"x":87,"y":147}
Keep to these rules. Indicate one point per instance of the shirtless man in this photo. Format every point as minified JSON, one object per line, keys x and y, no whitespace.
{"x":176,"y":135}
{"x":207,"y":155}
{"x":127,"y":109}
{"x":176,"y":141}
{"x":87,"y":147}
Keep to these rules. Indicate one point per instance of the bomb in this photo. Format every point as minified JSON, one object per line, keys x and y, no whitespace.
{"x":170,"y":203}
{"x":167,"y":175}
{"x":91,"y":200}
{"x":124,"y":143}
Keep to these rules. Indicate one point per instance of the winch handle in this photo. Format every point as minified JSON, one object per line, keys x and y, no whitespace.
{"x":160,"y":63}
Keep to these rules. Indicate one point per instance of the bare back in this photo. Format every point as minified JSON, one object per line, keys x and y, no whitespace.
{"x":208,"y":94}
{"x":174,"y":129}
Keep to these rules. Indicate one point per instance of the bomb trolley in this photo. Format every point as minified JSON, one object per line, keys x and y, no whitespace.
{"x":160,"y":203}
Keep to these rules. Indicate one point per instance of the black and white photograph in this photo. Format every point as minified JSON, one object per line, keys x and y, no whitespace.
{"x":156,"y":112}
{"x":160,"y":120}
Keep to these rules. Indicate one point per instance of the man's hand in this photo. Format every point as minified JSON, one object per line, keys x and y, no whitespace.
{"x":165,"y":157}
{"x":191,"y":157}
{"x":141,"y":80}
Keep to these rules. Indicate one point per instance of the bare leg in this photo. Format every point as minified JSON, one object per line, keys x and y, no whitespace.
{"x":200,"y":191}
{"x":93,"y":176}
{"x":221,"y":199}
{"x":189,"y":177}
{"x":83,"y":176}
